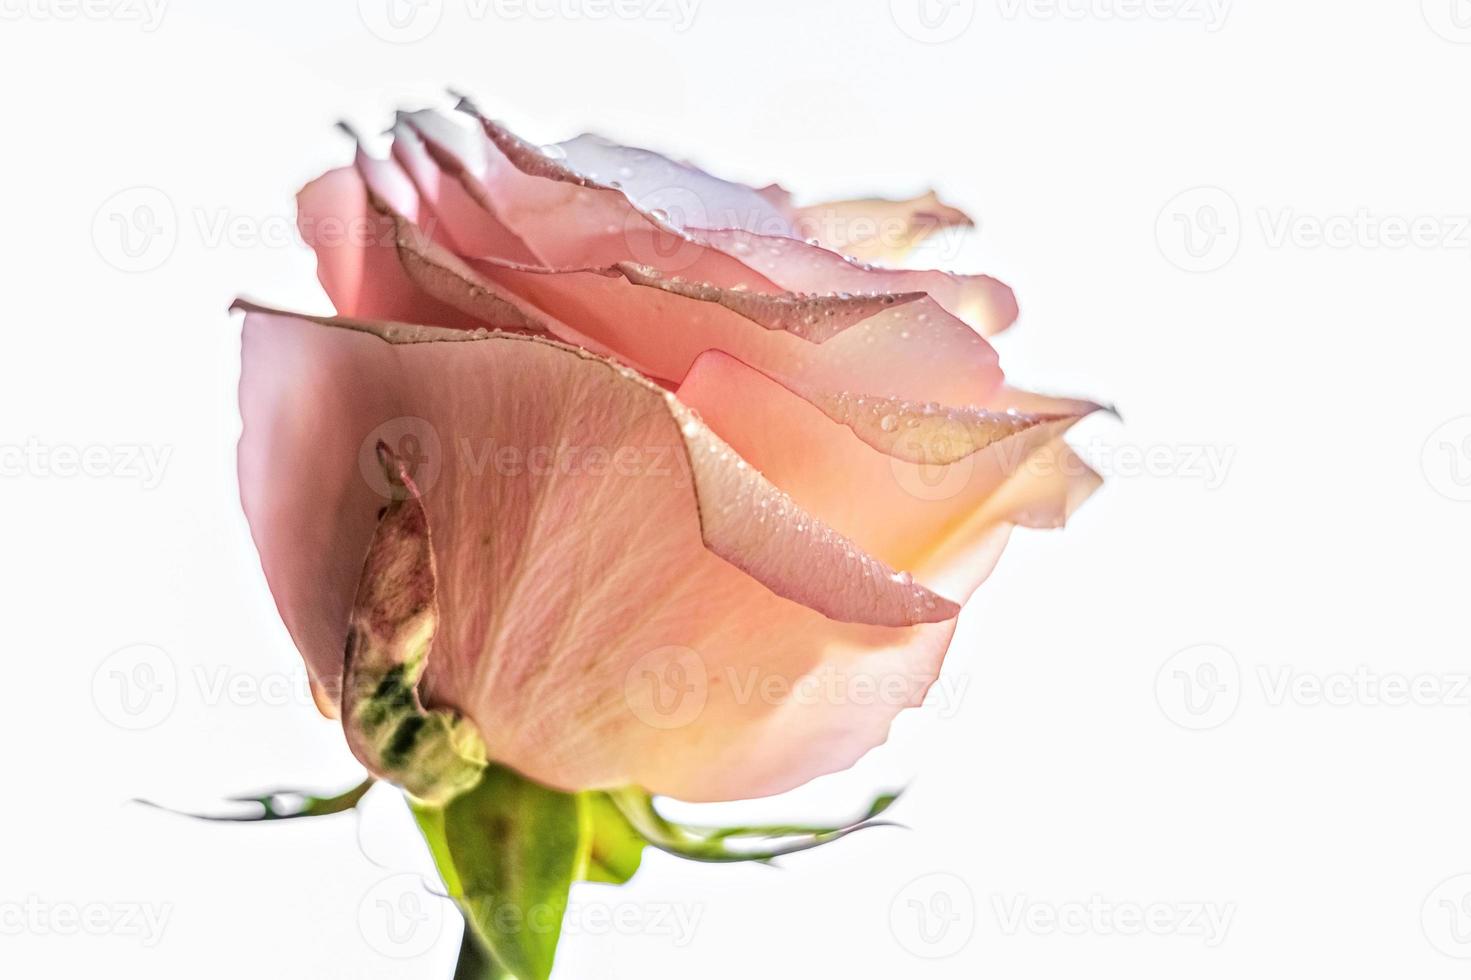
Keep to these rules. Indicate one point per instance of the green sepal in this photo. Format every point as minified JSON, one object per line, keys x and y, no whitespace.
{"x":282,"y":804}
{"x":711,"y":844}
{"x":508,"y":850}
{"x":475,"y":962}
{"x":612,"y":849}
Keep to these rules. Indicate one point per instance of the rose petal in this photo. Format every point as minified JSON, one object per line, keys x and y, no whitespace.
{"x":793,"y":264}
{"x":573,"y":221}
{"x":356,"y":260}
{"x":687,"y":195}
{"x":932,"y":518}
{"x":907,"y":348}
{"x":456,"y":199}
{"x":560,"y":587}
{"x":564,"y":218}
{"x":876,"y":229}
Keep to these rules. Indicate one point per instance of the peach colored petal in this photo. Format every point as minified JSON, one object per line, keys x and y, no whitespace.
{"x":443,"y":275}
{"x":356,"y":260}
{"x":902,"y":345}
{"x":934,"y":518}
{"x":876,"y":229}
{"x":562,"y":583}
{"x":908,"y":347}
{"x":565,"y":219}
{"x":797,"y":265}
{"x":690,"y":197}
{"x":456,"y":200}
{"x":574,"y":221}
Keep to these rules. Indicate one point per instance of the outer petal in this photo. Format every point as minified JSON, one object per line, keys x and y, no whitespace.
{"x":356,"y":259}
{"x":689,"y":196}
{"x":794,"y":264}
{"x":935,"y":497}
{"x":564,"y":218}
{"x":574,"y":221}
{"x":905,"y":346}
{"x":456,"y":200}
{"x":876,"y":229}
{"x":569,"y":577}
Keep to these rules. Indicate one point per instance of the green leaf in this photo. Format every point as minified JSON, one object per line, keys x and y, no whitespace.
{"x":508,"y":850}
{"x":878,"y":806}
{"x":612,"y":849}
{"x":475,"y":962}
{"x":281,"y":804}
{"x":712,"y":844}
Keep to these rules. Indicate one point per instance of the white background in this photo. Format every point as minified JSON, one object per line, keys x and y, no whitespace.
{"x":1075,"y":776}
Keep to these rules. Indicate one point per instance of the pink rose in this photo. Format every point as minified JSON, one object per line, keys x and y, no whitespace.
{"x":704,"y":496}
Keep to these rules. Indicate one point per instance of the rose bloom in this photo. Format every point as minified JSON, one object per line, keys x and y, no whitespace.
{"x":705,"y":494}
